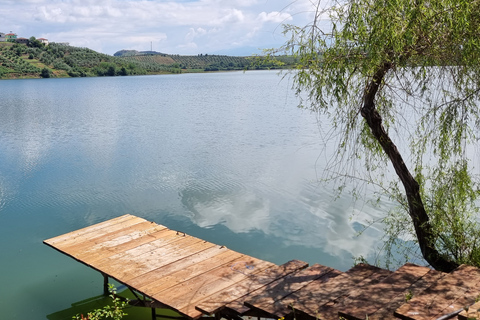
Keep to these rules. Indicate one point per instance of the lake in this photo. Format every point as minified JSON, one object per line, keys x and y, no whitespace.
{"x":227,"y":157}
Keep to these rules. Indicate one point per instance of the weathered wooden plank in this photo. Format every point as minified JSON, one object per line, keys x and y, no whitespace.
{"x":270,"y":311}
{"x":464,"y":302}
{"x":127,"y":269}
{"x":184,"y":296}
{"x":151,"y":277}
{"x":150,"y":235}
{"x":319,"y":293}
{"x":289,"y":304}
{"x":97,"y":233}
{"x":96,"y":245}
{"x":164,"y":240}
{"x":472,"y":312}
{"x":58,"y":239}
{"x":467,"y":300}
{"x":361,"y":303}
{"x":185,"y":269}
{"x":212,"y":288}
{"x":416,"y":289}
{"x":330,"y":309}
{"x":126,"y":262}
{"x":283,"y":287}
{"x":363,"y":272}
{"x":440,"y":298}
{"x":232,"y":297}
{"x":238,"y":307}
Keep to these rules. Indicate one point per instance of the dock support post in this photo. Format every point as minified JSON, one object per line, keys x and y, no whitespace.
{"x":105,"y":284}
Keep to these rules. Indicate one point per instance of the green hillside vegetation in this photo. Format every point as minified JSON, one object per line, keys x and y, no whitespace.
{"x":205,"y":62}
{"x":55,"y":60}
{"x":58,"y":60}
{"x":199,"y":63}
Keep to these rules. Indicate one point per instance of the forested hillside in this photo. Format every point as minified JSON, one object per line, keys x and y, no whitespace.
{"x":204,"y":62}
{"x":58,"y":60}
{"x":36,"y":60}
{"x":199,"y":63}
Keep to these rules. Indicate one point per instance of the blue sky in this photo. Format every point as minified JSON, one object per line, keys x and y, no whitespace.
{"x":187,"y":27}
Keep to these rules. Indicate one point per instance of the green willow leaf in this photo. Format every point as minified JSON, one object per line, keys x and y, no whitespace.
{"x":413,"y":64}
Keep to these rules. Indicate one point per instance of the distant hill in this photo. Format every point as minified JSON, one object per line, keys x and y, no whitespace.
{"x":35,"y":60}
{"x":128,"y":53}
{"x":58,"y":60}
{"x":201,"y":62}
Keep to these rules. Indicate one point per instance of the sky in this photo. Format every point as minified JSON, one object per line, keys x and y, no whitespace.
{"x":185,"y":27}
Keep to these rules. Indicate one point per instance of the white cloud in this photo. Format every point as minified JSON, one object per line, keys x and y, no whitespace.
{"x":275,"y":16}
{"x":193,"y":33}
{"x":230,"y":17}
{"x":178,"y":26}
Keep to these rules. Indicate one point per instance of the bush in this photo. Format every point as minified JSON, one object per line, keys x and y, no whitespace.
{"x":45,"y":73}
{"x":114,"y":311}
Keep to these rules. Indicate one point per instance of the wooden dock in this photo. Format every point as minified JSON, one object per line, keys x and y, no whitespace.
{"x":170,"y":269}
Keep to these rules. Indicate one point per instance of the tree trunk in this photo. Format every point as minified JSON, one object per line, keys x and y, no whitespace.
{"x":418,"y":215}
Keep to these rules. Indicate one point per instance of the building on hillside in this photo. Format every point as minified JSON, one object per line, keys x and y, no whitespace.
{"x":11,"y":37}
{"x":22,"y":40}
{"x":2,"y":37}
{"x":43,"y":40}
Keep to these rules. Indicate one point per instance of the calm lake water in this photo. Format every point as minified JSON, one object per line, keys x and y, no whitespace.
{"x":226,"y":157}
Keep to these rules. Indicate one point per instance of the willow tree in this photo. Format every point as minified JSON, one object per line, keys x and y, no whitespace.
{"x":387,"y":70}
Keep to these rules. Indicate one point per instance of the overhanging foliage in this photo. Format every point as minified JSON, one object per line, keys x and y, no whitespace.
{"x":380,"y":70}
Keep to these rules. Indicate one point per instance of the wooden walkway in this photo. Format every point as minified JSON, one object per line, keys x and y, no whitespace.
{"x":170,"y":269}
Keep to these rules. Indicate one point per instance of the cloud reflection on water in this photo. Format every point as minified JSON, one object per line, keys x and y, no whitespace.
{"x":317,"y":220}
{"x":231,"y":153}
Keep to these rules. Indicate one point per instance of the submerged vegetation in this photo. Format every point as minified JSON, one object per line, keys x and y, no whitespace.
{"x":58,"y":60}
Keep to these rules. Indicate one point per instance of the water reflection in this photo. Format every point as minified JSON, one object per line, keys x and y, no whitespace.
{"x":239,"y":210}
{"x":309,"y":220}
{"x":226,"y":157}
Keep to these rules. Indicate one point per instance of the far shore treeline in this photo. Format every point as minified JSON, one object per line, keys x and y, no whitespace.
{"x":35,"y":60}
